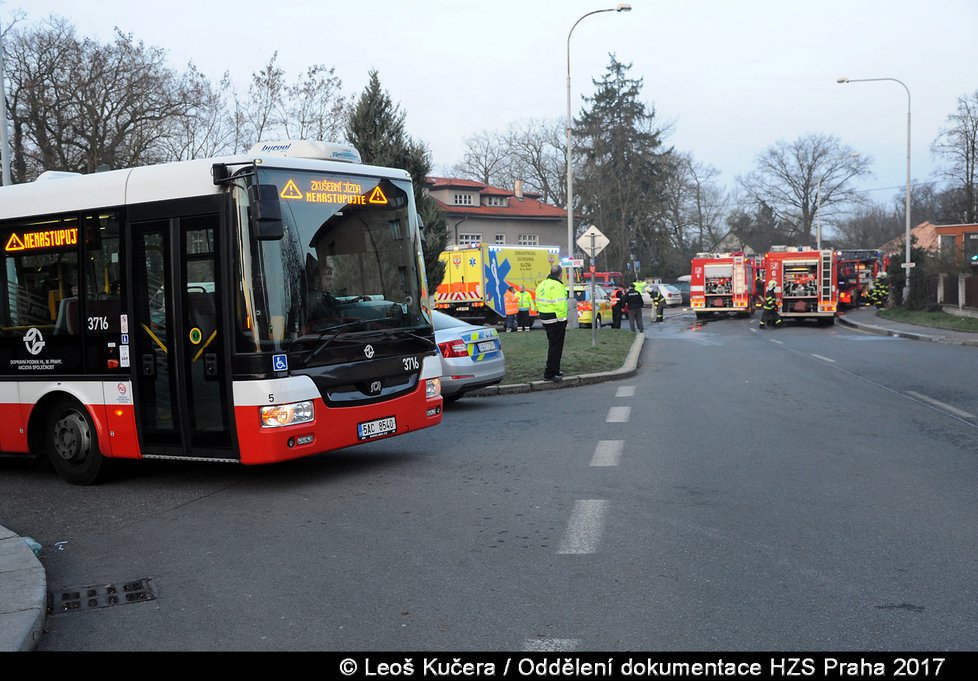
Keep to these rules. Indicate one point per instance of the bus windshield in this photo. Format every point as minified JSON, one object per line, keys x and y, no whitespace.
{"x":350,"y":261}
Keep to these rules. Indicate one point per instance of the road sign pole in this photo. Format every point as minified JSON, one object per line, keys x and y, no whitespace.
{"x":594,"y":303}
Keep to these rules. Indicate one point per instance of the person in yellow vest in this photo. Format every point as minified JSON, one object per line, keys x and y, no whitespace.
{"x":512,"y":303}
{"x":552,"y":310}
{"x":525,"y":299}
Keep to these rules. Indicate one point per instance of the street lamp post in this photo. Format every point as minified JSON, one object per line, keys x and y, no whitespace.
{"x":571,"y":300}
{"x":907,"y":263}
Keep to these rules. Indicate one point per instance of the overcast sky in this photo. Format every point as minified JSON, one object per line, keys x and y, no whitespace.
{"x":732,"y":77}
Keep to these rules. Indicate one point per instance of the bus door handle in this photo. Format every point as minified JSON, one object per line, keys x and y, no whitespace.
{"x":149,"y":365}
{"x":210,"y":365}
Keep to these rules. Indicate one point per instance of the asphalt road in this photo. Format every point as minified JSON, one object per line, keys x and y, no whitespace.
{"x":800,"y":489}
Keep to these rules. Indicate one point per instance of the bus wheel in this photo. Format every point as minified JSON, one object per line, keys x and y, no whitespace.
{"x":72,"y":445}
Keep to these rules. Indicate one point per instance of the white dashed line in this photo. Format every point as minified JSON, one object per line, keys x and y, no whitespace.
{"x":824,"y":359}
{"x":776,"y":341}
{"x":608,"y":453}
{"x":550,"y":645}
{"x":584,"y":528}
{"x":941,"y":405}
{"x":625,"y":391}
{"x":618,"y":415}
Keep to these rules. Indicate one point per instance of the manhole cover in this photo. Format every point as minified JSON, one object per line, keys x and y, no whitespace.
{"x":100,"y":596}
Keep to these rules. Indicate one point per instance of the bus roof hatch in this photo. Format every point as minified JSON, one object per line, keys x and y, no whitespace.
{"x":325,"y":151}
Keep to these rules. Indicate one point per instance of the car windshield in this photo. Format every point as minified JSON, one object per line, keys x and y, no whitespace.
{"x":670,"y":288}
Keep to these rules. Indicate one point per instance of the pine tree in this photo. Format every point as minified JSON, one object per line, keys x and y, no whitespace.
{"x":622,"y":168}
{"x":376,"y":128}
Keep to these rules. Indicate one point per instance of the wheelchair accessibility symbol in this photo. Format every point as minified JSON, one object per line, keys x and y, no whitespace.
{"x":280,"y":362}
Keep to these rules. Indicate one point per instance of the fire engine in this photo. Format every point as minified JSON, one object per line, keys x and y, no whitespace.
{"x":722,"y":283}
{"x":805,"y":281}
{"x":856,"y":270}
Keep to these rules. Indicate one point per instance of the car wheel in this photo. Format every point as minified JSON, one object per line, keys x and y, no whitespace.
{"x":72,"y":445}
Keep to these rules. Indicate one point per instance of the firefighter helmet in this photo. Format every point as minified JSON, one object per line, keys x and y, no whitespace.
{"x":772,"y":284}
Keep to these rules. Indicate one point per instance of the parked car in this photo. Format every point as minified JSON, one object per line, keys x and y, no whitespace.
{"x":584,"y":308}
{"x":672,"y":295}
{"x":471,"y":356}
{"x":683,"y":286}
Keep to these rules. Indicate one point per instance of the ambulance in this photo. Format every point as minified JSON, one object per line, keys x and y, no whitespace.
{"x":476,"y":278}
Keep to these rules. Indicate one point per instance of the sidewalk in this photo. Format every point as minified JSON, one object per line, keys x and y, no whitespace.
{"x":23,"y":594}
{"x":865,"y":319}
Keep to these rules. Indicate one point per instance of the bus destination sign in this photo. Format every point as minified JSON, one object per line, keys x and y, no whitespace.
{"x":327,"y":190}
{"x":41,"y":240}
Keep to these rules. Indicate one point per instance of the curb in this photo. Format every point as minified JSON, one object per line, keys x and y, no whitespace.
{"x":883,"y":331}
{"x":627,"y":369}
{"x":23,"y":594}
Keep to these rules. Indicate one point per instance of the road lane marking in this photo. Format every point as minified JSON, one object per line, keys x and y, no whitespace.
{"x":776,"y":341}
{"x":608,"y":453}
{"x":625,"y":391}
{"x":618,"y":415}
{"x":941,"y":405}
{"x":824,"y":359}
{"x":584,"y":528}
{"x":550,"y":645}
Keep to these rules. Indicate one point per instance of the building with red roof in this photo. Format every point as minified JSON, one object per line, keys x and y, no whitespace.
{"x":476,"y":212}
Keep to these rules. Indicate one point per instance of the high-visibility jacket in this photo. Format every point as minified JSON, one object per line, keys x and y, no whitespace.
{"x":657,"y":298}
{"x":526,"y":300}
{"x":552,"y":298}
{"x":770,"y":301}
{"x":640,"y":286}
{"x":512,"y":302}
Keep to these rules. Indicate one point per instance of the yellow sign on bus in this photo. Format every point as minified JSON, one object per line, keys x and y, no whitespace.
{"x":50,"y":238}
{"x":333,"y":191}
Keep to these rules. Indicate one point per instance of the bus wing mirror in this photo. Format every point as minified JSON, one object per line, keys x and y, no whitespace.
{"x":266,"y":212}
{"x":420,"y":222}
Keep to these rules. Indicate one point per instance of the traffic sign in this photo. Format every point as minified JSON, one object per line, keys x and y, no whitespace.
{"x":905,"y":265}
{"x":592,"y":241}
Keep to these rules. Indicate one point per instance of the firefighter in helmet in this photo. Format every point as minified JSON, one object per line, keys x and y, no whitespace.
{"x":658,"y":302}
{"x":770,"y":319}
{"x":880,"y":293}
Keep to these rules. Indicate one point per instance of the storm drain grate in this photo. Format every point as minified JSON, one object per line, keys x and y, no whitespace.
{"x":100,"y":596}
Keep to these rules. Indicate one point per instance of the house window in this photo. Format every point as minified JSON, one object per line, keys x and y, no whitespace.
{"x":528,"y":239}
{"x":497,"y":201}
{"x":948,"y":245}
{"x":971,"y":247}
{"x":500,"y":238}
{"x":463,"y":199}
{"x":470,"y":238}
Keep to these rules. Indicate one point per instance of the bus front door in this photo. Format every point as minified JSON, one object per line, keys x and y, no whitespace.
{"x":182,"y":390}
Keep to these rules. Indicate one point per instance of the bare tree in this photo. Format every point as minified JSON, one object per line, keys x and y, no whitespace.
{"x":485,"y":158}
{"x":793,"y":179}
{"x":696,"y":206}
{"x":206,"y":128}
{"x":957,"y":146}
{"x":870,"y":227}
{"x":315,"y":107}
{"x":77,"y":104}
{"x":536,"y":151}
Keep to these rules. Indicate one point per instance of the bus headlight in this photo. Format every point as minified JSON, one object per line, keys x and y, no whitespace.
{"x":432,"y":387}
{"x":287,"y":414}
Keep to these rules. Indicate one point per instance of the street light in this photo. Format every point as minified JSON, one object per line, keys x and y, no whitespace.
{"x":571,"y":300}
{"x":907,"y":263}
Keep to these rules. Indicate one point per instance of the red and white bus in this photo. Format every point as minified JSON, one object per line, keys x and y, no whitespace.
{"x":246,"y":309}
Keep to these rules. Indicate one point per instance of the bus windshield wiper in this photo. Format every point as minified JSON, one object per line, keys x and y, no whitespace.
{"x":322,"y":343}
{"x":408,"y":332}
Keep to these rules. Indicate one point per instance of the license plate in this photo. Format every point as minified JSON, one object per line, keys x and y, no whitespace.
{"x":461,"y":309}
{"x":487,"y":346}
{"x":371,"y":429}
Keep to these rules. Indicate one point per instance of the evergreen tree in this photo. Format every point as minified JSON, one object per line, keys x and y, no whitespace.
{"x":376,"y":128}
{"x":622,"y":168}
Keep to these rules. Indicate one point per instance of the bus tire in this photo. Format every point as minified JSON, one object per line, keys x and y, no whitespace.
{"x":72,"y":445}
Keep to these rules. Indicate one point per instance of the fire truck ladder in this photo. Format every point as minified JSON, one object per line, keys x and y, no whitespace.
{"x":825,"y":288}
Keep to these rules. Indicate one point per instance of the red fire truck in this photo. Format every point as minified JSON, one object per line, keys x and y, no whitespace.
{"x":856,"y":270}
{"x":806,"y":284}
{"x":722,"y":283}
